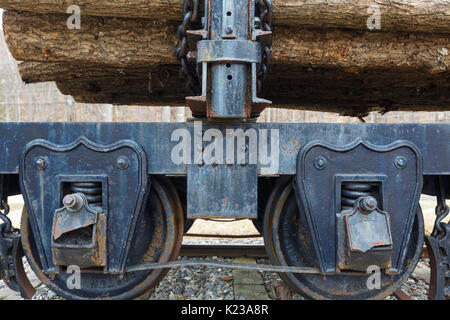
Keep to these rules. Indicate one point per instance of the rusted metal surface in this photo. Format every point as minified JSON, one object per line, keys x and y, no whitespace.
{"x":401,"y":295}
{"x":366,"y":239}
{"x":79,"y":233}
{"x":425,"y":254}
{"x":26,"y":289}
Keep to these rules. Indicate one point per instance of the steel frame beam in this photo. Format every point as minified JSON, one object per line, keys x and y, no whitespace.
{"x":155,"y":139}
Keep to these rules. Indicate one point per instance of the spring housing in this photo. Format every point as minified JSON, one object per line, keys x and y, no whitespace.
{"x":350,"y":192}
{"x":92,"y":191}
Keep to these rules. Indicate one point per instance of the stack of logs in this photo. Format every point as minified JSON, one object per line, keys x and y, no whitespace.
{"x":324,"y":56}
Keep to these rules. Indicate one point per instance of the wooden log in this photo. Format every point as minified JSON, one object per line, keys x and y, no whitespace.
{"x":109,"y":41}
{"x":398,"y":15}
{"x":34,"y":72}
{"x":137,"y":42}
{"x":342,"y":96}
{"x":297,"y":88}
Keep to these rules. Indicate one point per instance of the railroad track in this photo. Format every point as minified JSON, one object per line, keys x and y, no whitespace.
{"x":231,"y":251}
{"x":252,"y":251}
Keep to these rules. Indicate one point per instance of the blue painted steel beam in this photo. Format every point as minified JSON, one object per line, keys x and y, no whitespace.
{"x":155,"y":139}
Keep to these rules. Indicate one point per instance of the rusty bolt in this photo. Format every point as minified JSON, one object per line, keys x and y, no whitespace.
{"x":41,"y":163}
{"x":73,"y":202}
{"x":122,"y":163}
{"x":229,"y":30}
{"x":368,"y":204}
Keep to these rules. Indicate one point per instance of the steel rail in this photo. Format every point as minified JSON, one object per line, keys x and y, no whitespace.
{"x":219,"y":264}
{"x":230,"y":236}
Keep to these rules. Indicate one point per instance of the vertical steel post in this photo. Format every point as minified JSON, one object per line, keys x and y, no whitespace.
{"x":228,"y":50}
{"x":230,"y":96}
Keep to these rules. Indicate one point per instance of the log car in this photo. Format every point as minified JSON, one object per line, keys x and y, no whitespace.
{"x":336,"y":203}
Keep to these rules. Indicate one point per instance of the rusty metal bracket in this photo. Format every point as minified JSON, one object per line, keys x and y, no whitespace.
{"x":26,"y":289}
{"x":366,"y":236}
{"x":79,"y":233}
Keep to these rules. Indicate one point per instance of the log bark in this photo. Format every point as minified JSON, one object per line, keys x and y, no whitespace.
{"x":398,"y":15}
{"x":109,"y":41}
{"x":136,"y":42}
{"x":319,"y":90}
{"x":34,"y":72}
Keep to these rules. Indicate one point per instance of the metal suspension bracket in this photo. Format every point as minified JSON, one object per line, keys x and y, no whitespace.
{"x":83,"y":213}
{"x":232,"y":52}
{"x":349,"y":196}
{"x":438,"y":244}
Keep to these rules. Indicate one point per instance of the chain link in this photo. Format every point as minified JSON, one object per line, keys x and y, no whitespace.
{"x":442,"y":210}
{"x":7,"y":226}
{"x":264,"y":11}
{"x":188,"y":70}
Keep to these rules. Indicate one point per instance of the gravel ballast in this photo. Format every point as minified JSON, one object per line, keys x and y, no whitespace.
{"x":210,"y":283}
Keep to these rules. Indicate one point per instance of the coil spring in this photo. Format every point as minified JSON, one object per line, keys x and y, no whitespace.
{"x":350,"y":192}
{"x":92,"y":191}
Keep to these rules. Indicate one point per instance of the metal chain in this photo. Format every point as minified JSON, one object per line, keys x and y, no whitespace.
{"x":442,"y":210}
{"x":7,"y":226}
{"x":264,"y":11}
{"x":439,"y":244}
{"x":188,"y":70}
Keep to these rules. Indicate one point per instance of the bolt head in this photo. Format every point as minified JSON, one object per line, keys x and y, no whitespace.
{"x":41,"y":163}
{"x":229,"y":30}
{"x":69,"y":200}
{"x":320,"y":163}
{"x":122,"y":163}
{"x":368,"y":204}
{"x":400,"y":162}
{"x":73,"y":202}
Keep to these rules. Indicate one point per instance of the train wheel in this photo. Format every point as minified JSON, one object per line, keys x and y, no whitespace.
{"x":160,"y":233}
{"x":288,"y":242}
